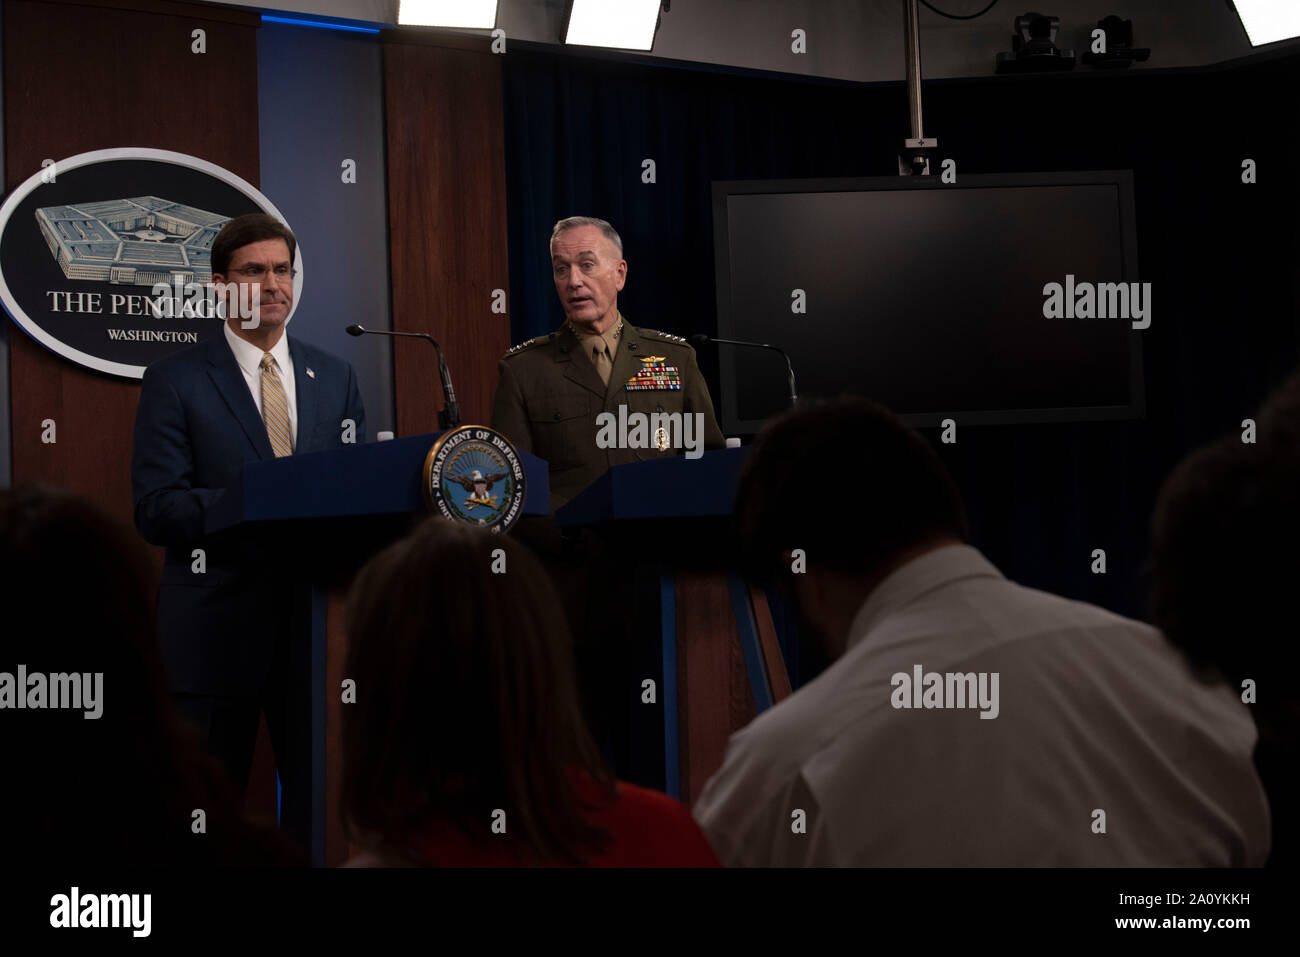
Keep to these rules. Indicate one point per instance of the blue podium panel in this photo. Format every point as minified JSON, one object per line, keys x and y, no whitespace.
{"x":675,"y":487}
{"x":375,"y":478}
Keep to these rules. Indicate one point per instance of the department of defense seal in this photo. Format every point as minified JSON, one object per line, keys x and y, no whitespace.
{"x":473,"y":474}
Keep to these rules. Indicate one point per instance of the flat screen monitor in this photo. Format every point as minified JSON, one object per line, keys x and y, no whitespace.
{"x":930,"y":297}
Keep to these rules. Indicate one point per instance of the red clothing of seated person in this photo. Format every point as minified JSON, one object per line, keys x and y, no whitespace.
{"x":645,"y":828}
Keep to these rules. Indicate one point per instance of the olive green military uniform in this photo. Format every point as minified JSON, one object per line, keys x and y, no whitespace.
{"x":550,"y":394}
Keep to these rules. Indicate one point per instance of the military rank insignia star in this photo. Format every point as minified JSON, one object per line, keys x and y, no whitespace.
{"x":653,"y":374}
{"x":311,"y":373}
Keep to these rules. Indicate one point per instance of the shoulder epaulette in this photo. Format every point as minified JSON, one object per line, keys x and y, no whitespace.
{"x":536,"y":340}
{"x":663,"y":335}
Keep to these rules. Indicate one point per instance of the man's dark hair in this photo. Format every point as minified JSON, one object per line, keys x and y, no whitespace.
{"x":845,"y":481}
{"x":242,"y":230}
{"x":1225,"y":535}
{"x":466,"y":701}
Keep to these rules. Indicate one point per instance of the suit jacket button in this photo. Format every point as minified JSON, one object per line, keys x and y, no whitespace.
{"x":564,"y":348}
{"x":557,"y":417}
{"x":632,"y":346}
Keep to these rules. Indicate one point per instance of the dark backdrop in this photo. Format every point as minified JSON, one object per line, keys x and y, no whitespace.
{"x":1222,"y":256}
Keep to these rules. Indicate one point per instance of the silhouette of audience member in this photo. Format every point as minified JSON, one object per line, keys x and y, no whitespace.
{"x":466,"y":745}
{"x":967,"y":720}
{"x":1225,"y":568}
{"x":104,"y":773}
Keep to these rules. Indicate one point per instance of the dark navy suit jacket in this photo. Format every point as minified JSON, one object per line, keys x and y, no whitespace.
{"x":195,"y":428}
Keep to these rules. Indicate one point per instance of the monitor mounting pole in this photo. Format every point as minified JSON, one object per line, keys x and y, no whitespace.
{"x":914,"y":159}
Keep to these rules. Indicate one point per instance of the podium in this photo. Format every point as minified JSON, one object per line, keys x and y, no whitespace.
{"x":715,"y":658}
{"x":720,"y":660}
{"x":335,"y":509}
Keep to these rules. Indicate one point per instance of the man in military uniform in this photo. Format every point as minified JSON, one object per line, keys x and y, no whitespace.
{"x":552,"y":388}
{"x":551,"y":391}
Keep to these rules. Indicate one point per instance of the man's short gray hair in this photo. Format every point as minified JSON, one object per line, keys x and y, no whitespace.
{"x":573,"y":222}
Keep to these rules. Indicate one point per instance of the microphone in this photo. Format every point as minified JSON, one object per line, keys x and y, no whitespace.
{"x":699,"y":340}
{"x":449,"y":417}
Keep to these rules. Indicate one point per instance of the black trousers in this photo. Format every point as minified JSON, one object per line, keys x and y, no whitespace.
{"x":612,"y":606}
{"x":228,"y":728}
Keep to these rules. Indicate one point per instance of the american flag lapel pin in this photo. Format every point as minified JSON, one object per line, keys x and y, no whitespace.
{"x":311,"y":373}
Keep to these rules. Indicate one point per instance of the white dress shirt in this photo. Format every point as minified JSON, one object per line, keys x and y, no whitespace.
{"x":1096,"y":713}
{"x":249,"y":358}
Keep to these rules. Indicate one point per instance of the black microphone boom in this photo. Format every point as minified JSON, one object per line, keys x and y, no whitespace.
{"x":449,"y":417}
{"x":699,"y":340}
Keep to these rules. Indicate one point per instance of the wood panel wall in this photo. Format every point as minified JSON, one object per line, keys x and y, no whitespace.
{"x":446,"y":221}
{"x":120,"y":74}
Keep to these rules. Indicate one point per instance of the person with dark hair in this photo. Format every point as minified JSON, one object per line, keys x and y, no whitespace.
{"x":1224,"y":569}
{"x":967,"y":720}
{"x":104,"y":772}
{"x":244,"y":231}
{"x":466,"y":745}
{"x":252,"y":393}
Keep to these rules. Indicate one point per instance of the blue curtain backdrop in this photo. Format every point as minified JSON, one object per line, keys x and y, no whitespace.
{"x":578,"y":131}
{"x":1221,"y":255}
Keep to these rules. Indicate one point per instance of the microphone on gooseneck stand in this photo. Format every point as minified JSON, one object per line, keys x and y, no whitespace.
{"x":449,"y":417}
{"x":699,"y":340}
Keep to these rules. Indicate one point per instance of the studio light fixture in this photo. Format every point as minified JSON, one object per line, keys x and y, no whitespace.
{"x":467,"y":14}
{"x":1267,"y":21}
{"x":620,"y":24}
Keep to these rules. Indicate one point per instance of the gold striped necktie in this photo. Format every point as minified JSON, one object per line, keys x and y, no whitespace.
{"x":275,"y":409}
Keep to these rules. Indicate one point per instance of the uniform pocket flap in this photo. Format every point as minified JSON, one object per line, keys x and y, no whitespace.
{"x":557,"y":408}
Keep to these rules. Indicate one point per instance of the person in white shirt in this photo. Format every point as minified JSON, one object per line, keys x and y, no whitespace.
{"x":967,"y":720}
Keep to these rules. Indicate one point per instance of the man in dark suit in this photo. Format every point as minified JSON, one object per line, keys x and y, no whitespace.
{"x":232,"y":641}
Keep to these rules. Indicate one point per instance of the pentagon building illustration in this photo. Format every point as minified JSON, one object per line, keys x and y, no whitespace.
{"x":138,"y":241}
